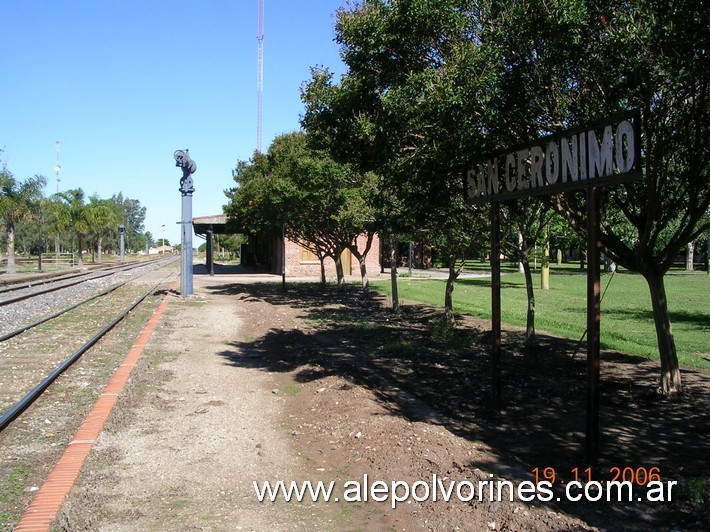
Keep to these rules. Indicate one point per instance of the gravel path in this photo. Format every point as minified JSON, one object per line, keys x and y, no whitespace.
{"x":183,"y":457}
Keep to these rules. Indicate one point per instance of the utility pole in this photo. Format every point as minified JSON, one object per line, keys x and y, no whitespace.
{"x":58,"y":166}
{"x":259,"y":73}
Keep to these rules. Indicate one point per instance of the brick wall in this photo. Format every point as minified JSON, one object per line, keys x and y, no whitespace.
{"x":300,"y":263}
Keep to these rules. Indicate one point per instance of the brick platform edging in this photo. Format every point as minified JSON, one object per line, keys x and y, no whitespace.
{"x":47,"y":503}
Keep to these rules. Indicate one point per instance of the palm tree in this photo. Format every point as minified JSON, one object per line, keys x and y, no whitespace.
{"x":58,"y":219}
{"x":100,"y":217}
{"x":74,"y":199}
{"x":17,"y":201}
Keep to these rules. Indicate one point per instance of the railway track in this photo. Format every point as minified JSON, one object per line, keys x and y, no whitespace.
{"x":19,"y":290}
{"x":53,"y":373}
{"x":39,"y":354}
{"x":26,"y":305}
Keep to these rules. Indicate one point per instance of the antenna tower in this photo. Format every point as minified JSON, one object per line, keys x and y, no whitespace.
{"x":58,"y":167}
{"x":259,"y":73}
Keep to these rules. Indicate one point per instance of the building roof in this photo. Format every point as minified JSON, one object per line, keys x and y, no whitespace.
{"x":217,"y":223}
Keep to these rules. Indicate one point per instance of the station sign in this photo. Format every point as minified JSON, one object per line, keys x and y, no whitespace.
{"x":603,"y":153}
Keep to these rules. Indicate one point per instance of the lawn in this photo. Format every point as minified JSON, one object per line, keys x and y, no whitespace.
{"x":627,"y":321}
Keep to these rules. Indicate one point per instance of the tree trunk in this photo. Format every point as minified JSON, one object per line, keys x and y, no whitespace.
{"x":393,"y":274}
{"x":362,"y":260}
{"x":10,"y":248}
{"x":670,"y":370}
{"x":322,"y":270}
{"x":530,"y":338}
{"x":99,"y":242}
{"x":689,"y":259}
{"x":448,"y":295}
{"x":520,"y":246}
{"x":339,"y":269}
{"x":80,"y":260}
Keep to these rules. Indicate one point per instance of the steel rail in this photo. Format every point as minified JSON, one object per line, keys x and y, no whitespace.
{"x":11,"y":300}
{"x":32,"y":325}
{"x":21,"y":284}
{"x":14,"y":412}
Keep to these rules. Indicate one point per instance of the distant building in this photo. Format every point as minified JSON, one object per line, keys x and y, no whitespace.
{"x":266,"y":253}
{"x":160,"y":250}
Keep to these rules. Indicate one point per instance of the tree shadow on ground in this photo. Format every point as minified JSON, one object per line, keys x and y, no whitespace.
{"x":423,"y":371}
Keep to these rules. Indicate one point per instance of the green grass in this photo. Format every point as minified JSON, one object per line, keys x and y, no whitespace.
{"x":627,"y":321}
{"x":11,"y":486}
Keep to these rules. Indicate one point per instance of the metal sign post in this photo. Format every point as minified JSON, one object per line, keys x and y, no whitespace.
{"x":601,"y":154}
{"x":182,"y":159}
{"x":593,"y":326}
{"x":495,"y":303}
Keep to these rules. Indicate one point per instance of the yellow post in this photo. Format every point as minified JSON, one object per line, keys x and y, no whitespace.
{"x":545,"y":263}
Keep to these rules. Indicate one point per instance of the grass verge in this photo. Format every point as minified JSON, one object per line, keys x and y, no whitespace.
{"x":627,"y":320}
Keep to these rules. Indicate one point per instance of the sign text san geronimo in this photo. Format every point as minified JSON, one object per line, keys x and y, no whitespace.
{"x":600,"y":154}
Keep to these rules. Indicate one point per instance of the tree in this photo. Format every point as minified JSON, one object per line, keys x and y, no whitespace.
{"x":17,"y":204}
{"x":232,"y":243}
{"x":74,"y":202}
{"x":100,"y":217}
{"x":409,"y":109}
{"x":567,"y":63}
{"x":58,"y":219}
{"x":304,"y":193}
{"x":132,"y":215}
{"x":529,"y":221}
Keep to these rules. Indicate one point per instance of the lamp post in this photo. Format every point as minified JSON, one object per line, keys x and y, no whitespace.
{"x":182,"y":159}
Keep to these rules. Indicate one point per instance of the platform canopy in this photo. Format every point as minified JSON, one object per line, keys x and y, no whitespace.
{"x":217,"y":224}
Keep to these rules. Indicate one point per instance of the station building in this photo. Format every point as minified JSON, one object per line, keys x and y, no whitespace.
{"x":266,"y":253}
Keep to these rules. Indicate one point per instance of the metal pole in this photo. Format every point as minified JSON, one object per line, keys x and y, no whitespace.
{"x":123,"y":256}
{"x":186,"y":246}
{"x":593,"y":326}
{"x":495,"y":302}
{"x":411,"y":252}
{"x":283,"y":257}
{"x":210,"y":251}
{"x":41,"y":239}
{"x":182,"y":159}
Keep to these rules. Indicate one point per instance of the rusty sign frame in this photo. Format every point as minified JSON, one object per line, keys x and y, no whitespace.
{"x":618,"y":171}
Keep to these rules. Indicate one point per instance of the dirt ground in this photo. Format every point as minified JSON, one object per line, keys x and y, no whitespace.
{"x":243,"y":382}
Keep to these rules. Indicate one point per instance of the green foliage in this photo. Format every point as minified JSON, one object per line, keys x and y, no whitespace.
{"x":319,"y":203}
{"x":131,"y":214}
{"x":290,"y":389}
{"x":232,"y":243}
{"x":696,"y":493}
{"x":443,"y":331}
{"x":101,"y":219}
{"x":432,"y":86}
{"x":19,"y":202}
{"x":65,"y":216}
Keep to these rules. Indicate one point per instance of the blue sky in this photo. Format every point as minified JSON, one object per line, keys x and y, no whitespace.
{"x":123,"y":84}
